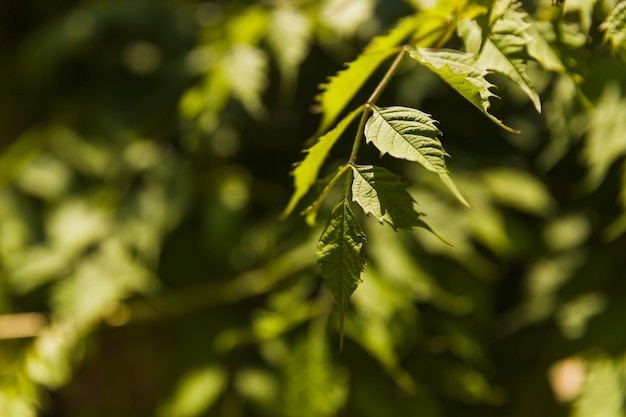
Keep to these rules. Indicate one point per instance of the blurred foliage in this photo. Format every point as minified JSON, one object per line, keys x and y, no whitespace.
{"x":145,"y":148}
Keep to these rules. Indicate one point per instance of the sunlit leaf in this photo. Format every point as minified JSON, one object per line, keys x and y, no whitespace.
{"x":339,"y":255}
{"x":246,"y":69}
{"x":460,"y":71}
{"x":541,"y":46}
{"x":341,"y":88}
{"x":409,"y":134}
{"x":307,"y":171}
{"x":614,"y":27}
{"x":294,"y":25}
{"x":504,"y":50}
{"x":605,"y":142}
{"x":196,"y":393}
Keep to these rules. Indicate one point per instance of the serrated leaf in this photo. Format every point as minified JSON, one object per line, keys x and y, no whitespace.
{"x":383,"y":195}
{"x":504,"y":50}
{"x":460,"y":71}
{"x":341,"y":88}
{"x":307,"y":171}
{"x":614,"y":27}
{"x":339,"y":255}
{"x":410,"y":134}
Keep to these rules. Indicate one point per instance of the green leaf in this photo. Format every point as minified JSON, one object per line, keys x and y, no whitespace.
{"x":307,"y":171}
{"x":409,"y":134}
{"x":314,"y":386}
{"x":341,"y":88}
{"x":383,"y":195}
{"x":289,"y":23}
{"x":246,"y":69}
{"x":460,"y":71}
{"x":605,"y":142}
{"x":614,"y":27}
{"x":339,"y":255}
{"x":504,"y":50}
{"x":542,"y":46}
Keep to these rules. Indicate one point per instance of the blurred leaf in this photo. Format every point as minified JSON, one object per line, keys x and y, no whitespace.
{"x":246,"y":68}
{"x":289,"y":23}
{"x":614,"y":27}
{"x":314,"y":386}
{"x":519,"y":189}
{"x":602,"y":394}
{"x":409,"y":134}
{"x":196,"y":393}
{"x":605,"y":141}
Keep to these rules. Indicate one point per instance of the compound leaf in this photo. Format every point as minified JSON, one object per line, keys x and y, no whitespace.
{"x":307,"y":171}
{"x":339,"y":255}
{"x":460,"y":71}
{"x":409,"y":134}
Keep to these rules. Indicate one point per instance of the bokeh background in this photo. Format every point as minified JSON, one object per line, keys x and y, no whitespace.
{"x":145,"y":151}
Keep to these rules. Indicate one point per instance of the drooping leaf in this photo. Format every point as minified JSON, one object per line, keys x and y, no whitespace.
{"x":410,"y":134}
{"x":341,"y":88}
{"x":383,"y":195}
{"x":339,"y":255}
{"x":504,"y":50}
{"x":306,"y":172}
{"x":614,"y":28}
{"x":460,"y":71}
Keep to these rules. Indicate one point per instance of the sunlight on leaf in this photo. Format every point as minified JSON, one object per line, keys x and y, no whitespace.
{"x":294,"y":25}
{"x":460,"y":71}
{"x":602,"y":394}
{"x":605,"y":141}
{"x":341,"y":88}
{"x":246,"y":69}
{"x":409,"y":134}
{"x":196,"y":393}
{"x":505,"y":49}
{"x":614,"y":28}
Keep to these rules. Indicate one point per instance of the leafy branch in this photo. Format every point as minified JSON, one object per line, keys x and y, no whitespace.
{"x":501,"y":38}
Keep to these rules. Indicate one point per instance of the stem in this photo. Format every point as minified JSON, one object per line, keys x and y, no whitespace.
{"x":372,"y":99}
